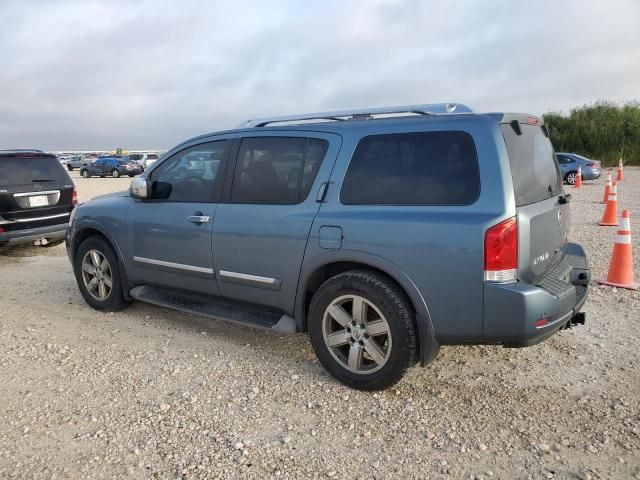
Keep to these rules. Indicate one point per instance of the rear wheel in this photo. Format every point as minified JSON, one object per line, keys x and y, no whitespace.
{"x":69,"y":167}
{"x":362,"y":330}
{"x":85,"y":173}
{"x":97,"y":272}
{"x":115,"y":173}
{"x":570,"y":178}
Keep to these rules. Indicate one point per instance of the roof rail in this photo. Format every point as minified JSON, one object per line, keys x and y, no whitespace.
{"x":361,"y":114}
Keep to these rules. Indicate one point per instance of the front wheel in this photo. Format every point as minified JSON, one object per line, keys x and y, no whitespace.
{"x":85,"y":173}
{"x":115,"y":173}
{"x":98,"y":275}
{"x":362,"y":330}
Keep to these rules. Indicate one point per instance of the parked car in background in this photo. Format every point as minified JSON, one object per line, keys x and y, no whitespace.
{"x":145,"y":160}
{"x":36,"y":198}
{"x":365,"y":231}
{"x":75,"y":161}
{"x":150,"y":159}
{"x":570,"y":162}
{"x":112,"y":167}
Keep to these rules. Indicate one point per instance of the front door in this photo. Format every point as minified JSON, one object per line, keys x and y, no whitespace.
{"x":262,"y":227}
{"x":171,"y":232}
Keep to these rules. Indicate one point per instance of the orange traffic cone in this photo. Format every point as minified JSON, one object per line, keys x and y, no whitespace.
{"x":578,"y":182}
{"x":607,"y":188}
{"x":610,"y":216}
{"x":620,"y":176}
{"x":621,"y":266}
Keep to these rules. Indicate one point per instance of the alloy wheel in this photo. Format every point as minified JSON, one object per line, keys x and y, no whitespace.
{"x":356,"y":334}
{"x":97,"y":275}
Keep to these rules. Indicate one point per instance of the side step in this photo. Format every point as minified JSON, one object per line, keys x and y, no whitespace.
{"x":217,"y":308}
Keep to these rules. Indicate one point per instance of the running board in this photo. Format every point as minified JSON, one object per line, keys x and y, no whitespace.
{"x":217,"y":308}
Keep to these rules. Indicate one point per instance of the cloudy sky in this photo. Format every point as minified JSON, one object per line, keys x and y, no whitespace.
{"x":148,"y":74}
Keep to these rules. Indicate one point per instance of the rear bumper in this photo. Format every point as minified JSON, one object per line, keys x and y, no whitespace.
{"x":591,"y":174}
{"x":51,"y":233}
{"x":512,"y":310}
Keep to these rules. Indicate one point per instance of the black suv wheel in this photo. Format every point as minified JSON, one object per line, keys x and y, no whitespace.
{"x":362,"y":330}
{"x":97,"y":272}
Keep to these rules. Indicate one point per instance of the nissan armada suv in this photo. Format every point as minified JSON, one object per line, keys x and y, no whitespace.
{"x":383,"y":233}
{"x":36,"y":198}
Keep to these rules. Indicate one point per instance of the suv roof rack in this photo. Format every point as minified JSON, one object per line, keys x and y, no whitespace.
{"x":361,"y":114}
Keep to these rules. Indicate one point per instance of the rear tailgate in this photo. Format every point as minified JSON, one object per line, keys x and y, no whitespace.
{"x":543,"y":214}
{"x":34,"y":191}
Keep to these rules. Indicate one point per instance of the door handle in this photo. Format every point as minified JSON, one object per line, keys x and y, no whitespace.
{"x":199,"y":218}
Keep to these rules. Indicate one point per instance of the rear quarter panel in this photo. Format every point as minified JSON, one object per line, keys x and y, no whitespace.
{"x":439,"y":248}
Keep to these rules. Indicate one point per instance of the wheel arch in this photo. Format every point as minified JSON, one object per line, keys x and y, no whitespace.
{"x":329,"y":264}
{"x":90,"y":229}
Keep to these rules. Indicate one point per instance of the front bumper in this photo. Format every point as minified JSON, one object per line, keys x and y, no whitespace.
{"x":512,"y":310}
{"x":16,"y":237}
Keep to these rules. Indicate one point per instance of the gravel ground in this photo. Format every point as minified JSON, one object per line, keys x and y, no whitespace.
{"x":151,"y":393}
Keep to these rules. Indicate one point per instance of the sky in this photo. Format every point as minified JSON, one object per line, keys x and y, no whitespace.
{"x":148,"y":74}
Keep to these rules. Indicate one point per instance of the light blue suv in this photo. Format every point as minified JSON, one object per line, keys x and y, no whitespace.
{"x":383,"y":233}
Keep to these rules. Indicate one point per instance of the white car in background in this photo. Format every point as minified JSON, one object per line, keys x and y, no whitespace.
{"x":145,"y":160}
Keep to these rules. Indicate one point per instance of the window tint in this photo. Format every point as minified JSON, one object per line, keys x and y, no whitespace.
{"x":276,"y":169}
{"x":26,"y":170}
{"x":192,"y":175}
{"x":425,"y":168}
{"x":535,"y":172}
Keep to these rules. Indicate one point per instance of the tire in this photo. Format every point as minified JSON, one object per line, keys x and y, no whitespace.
{"x":70,"y":168}
{"x":570,"y":177}
{"x":348,"y":359}
{"x":115,"y":173}
{"x":85,"y":173}
{"x":131,"y":175}
{"x":114,"y":299}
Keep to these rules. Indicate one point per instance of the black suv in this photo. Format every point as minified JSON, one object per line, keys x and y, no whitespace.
{"x":36,"y":198}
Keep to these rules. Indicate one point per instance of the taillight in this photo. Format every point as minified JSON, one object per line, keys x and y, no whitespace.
{"x":1,"y":230}
{"x":591,"y":164}
{"x":74,"y":198}
{"x":501,"y":252}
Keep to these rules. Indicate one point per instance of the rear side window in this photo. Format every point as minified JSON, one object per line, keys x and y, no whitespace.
{"x":26,"y":170}
{"x":424,"y":168}
{"x":535,"y":172}
{"x":278,"y":170}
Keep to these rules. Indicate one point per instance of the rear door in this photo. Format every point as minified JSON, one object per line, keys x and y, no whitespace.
{"x":262,"y":227}
{"x":543,"y":220}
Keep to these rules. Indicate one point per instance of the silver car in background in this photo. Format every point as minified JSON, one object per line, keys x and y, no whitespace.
{"x":570,"y":162}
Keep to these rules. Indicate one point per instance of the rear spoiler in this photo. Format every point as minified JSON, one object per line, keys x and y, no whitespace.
{"x":517,"y":119}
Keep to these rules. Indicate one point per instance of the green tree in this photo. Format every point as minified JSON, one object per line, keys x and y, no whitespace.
{"x":603,"y":131}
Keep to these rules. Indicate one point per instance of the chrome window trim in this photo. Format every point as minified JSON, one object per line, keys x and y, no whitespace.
{"x":179,"y":266}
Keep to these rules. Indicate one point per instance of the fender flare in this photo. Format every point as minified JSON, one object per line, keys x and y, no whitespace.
{"x":429,"y":346}
{"x":93,"y":225}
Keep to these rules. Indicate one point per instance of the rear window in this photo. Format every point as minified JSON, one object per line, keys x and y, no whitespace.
{"x":424,"y":168}
{"x":24,"y":170}
{"x":535,"y":172}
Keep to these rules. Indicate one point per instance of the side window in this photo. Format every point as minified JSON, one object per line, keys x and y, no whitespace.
{"x":278,"y":170}
{"x":425,"y":168}
{"x":191,"y":175}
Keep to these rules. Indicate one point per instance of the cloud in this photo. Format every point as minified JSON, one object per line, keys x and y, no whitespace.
{"x":149,"y":74}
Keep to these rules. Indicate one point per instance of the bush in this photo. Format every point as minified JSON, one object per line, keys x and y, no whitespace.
{"x":602,"y":131}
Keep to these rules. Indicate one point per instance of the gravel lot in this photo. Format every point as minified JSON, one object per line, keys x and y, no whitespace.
{"x":151,"y":393}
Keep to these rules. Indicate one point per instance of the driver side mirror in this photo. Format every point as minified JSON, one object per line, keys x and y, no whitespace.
{"x":140,"y":188}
